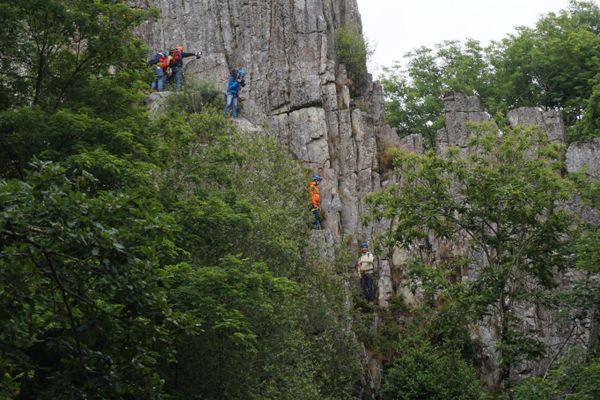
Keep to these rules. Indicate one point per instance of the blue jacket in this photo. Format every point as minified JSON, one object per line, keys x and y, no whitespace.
{"x":233,"y":86}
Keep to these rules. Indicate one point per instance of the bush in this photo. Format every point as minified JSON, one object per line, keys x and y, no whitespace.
{"x":573,"y":377}
{"x":422,"y":371}
{"x":352,"y":50}
{"x":197,"y":96}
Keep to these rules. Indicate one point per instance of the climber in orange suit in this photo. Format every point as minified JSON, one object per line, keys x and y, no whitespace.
{"x":315,"y":200}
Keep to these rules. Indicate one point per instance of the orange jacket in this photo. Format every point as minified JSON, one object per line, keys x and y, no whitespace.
{"x":315,"y":196}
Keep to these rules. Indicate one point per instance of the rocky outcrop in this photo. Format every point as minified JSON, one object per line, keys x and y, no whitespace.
{"x":459,"y":110}
{"x":584,"y":157}
{"x":551,"y":121}
{"x":299,"y":92}
{"x":556,"y":331}
{"x":294,"y":86}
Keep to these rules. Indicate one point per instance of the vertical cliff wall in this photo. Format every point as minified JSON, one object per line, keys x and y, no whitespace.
{"x":287,"y":48}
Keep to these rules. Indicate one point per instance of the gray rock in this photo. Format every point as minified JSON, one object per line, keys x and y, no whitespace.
{"x":459,"y":111}
{"x":287,"y":48}
{"x":551,"y":121}
{"x":584,"y":157}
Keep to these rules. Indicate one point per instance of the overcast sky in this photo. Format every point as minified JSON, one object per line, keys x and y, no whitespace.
{"x":395,"y":27}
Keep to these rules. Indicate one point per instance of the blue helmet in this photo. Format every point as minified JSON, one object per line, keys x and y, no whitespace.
{"x":316,"y":178}
{"x":364,"y":245}
{"x":242,"y":72}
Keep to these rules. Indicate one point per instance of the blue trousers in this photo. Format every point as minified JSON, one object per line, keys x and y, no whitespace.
{"x":178,"y":74}
{"x":232,"y":103}
{"x":366,"y":284}
{"x":317,"y":221}
{"x":159,"y":80}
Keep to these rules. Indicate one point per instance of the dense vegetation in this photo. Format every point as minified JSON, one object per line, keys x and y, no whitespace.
{"x":498,"y":215}
{"x":553,"y":65}
{"x":352,"y":50}
{"x":147,"y":258}
{"x":168,"y":255}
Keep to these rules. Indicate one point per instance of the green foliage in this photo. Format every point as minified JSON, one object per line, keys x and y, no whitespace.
{"x":553,"y":65}
{"x":332,"y":345}
{"x":422,"y":371}
{"x":352,"y":50}
{"x":235,"y":194}
{"x":82,"y":308}
{"x":498,"y":204}
{"x":245,"y":326}
{"x":57,"y":52}
{"x":414,"y":96}
{"x":573,"y":378}
{"x":148,"y":258}
{"x":78,"y":65}
{"x":196,"y":97}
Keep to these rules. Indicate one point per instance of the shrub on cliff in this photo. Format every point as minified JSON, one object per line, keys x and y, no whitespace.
{"x":352,"y":50}
{"x":422,"y":371}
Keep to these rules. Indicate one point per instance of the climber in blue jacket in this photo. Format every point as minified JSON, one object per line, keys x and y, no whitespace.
{"x":233,"y":89}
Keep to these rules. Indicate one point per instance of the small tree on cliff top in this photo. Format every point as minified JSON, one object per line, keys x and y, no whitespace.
{"x":352,"y":50}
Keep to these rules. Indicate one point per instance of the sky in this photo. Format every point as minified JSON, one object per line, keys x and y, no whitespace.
{"x":394,"y":27}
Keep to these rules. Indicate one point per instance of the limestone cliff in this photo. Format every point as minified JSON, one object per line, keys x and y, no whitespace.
{"x":287,"y":48}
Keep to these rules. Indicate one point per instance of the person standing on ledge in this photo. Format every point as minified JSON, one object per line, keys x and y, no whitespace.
{"x":177,"y":55}
{"x":233,"y":89}
{"x":365,"y":268}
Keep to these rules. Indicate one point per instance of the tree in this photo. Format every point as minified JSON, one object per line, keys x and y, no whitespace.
{"x":552,"y":65}
{"x":130,"y":248}
{"x":495,"y":210}
{"x":253,"y":291}
{"x":576,"y":377}
{"x":414,"y":96}
{"x":70,"y":84}
{"x":422,"y":371}
{"x":83,"y":310}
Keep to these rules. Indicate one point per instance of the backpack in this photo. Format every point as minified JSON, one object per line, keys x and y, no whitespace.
{"x":164,"y":62}
{"x":176,"y":56}
{"x":157,"y":58}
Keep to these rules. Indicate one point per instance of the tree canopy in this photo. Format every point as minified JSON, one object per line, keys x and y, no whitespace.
{"x":553,"y":65}
{"x":147,"y":258}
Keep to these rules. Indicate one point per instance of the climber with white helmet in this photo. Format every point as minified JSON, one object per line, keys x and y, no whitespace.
{"x":365,"y":269}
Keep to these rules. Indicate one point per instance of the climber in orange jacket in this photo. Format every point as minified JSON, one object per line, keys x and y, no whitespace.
{"x":315,"y":200}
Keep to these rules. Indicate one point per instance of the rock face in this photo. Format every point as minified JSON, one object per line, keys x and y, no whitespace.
{"x":287,"y":48}
{"x":584,"y":156}
{"x":550,"y":121}
{"x":556,"y":331}
{"x":459,"y":110}
{"x":296,"y":89}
